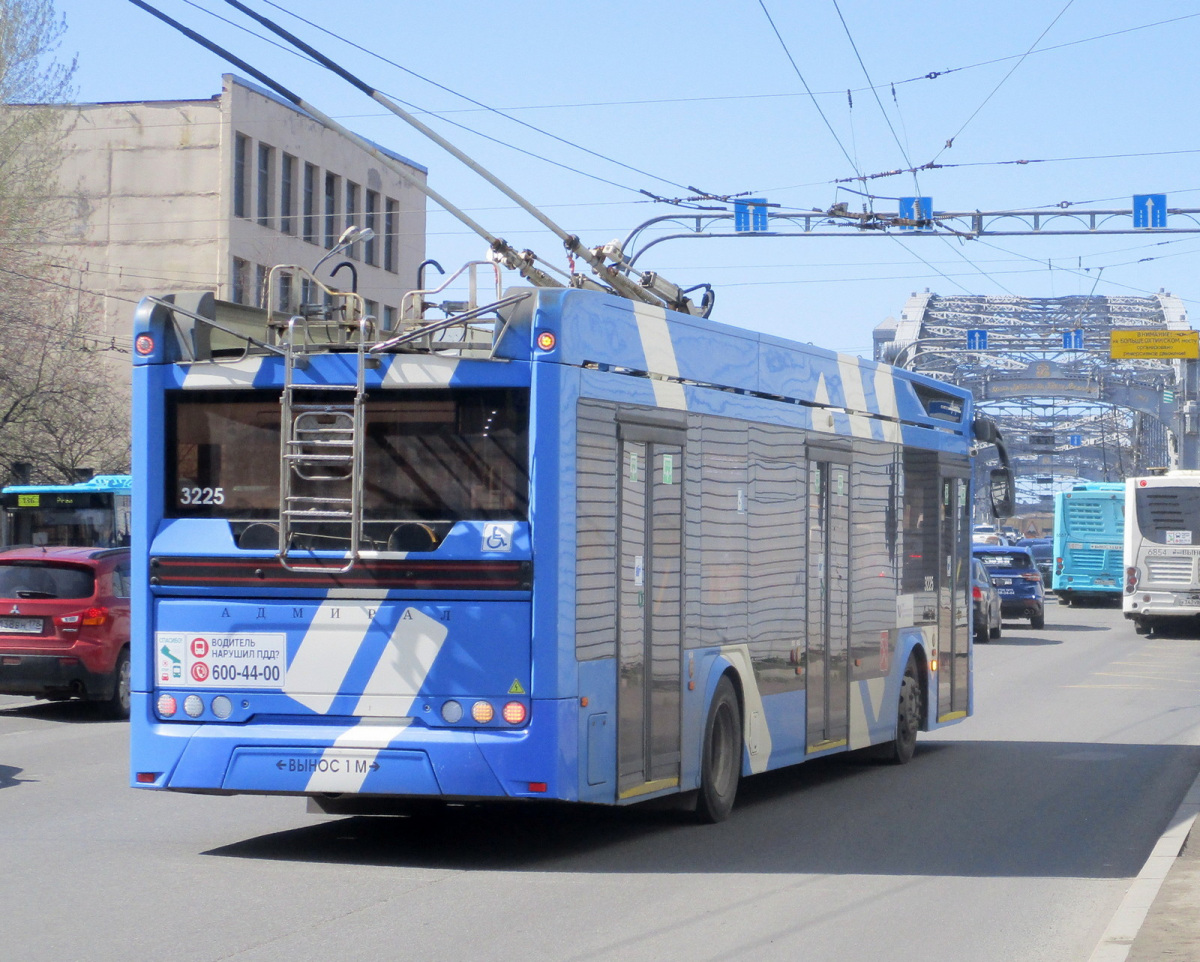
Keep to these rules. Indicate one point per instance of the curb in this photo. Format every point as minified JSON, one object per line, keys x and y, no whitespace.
{"x":1117,"y":940}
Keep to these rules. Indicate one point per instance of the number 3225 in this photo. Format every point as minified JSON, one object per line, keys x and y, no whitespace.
{"x":201,"y":495}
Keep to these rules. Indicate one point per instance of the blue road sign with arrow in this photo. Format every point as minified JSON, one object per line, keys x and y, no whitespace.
{"x":916,"y":208}
{"x":750,"y":214}
{"x":1149,"y":210}
{"x":977,"y":339}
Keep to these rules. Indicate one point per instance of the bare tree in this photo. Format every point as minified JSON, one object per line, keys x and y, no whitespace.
{"x":60,"y":409}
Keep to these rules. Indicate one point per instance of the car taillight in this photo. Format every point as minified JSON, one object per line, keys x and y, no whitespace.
{"x":1032,"y":576}
{"x":976,"y":593}
{"x":92,"y":617}
{"x":1131,"y":578}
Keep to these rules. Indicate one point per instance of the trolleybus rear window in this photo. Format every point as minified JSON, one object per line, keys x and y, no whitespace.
{"x":438,"y":455}
{"x":1167,"y":515}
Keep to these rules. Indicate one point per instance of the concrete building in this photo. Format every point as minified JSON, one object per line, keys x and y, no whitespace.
{"x":209,"y":194}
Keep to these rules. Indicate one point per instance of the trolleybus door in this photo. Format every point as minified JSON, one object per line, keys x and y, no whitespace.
{"x":649,"y":636}
{"x":827,"y":680}
{"x":954,"y":599}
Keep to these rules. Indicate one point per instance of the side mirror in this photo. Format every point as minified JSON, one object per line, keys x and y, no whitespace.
{"x":1002,"y":486}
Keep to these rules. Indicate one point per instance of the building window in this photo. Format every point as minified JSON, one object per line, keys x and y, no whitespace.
{"x":371,"y":307}
{"x":371,"y":221}
{"x":310,"y":203}
{"x":266,"y":160}
{"x":241,"y":280}
{"x":331,"y":219}
{"x":241,"y":175}
{"x":284,"y":303}
{"x":352,"y":213}
{"x":287,"y":194}
{"x":260,"y":285}
{"x":390,"y":215}
{"x":306,"y":291}
{"x":389,"y":318}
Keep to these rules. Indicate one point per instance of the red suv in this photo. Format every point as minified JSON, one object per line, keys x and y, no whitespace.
{"x":64,"y":624}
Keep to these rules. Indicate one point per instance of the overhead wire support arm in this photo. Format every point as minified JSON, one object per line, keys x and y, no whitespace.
{"x":519,"y":261}
{"x":572,"y":243}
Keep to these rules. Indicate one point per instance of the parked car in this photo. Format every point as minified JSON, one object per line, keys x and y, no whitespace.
{"x":1017,"y":579}
{"x":64,"y":625}
{"x":986,"y":601}
{"x":1042,"y":550}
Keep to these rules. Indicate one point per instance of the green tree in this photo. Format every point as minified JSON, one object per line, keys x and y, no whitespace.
{"x":61,"y":406}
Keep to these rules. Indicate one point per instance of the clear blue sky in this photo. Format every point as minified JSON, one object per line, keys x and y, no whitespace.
{"x":703,"y":93}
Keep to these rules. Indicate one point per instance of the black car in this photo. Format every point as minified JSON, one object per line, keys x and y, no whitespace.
{"x":1042,"y":550}
{"x":986,"y":601}
{"x":1018,"y":580}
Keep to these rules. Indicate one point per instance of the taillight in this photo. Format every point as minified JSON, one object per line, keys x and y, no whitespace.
{"x":514,"y":713}
{"x":1058,"y":566}
{"x":1131,"y":578}
{"x":976,"y":593}
{"x":1032,"y":576}
{"x":92,"y":617}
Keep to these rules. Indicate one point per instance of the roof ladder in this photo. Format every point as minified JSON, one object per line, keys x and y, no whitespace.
{"x":321,"y":453}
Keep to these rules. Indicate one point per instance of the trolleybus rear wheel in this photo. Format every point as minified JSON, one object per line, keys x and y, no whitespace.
{"x":908,"y":714}
{"x":721,"y":762}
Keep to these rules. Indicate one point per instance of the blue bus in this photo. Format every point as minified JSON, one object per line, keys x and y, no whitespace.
{"x":1089,"y":527}
{"x":593,"y":551}
{"x":86,"y":514}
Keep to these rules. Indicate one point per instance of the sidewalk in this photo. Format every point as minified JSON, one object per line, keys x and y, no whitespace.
{"x":1159,"y":918}
{"x":1172,"y":927}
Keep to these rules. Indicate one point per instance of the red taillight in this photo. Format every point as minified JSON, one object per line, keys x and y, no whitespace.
{"x":514,"y":713}
{"x":148,"y":778}
{"x":92,"y":617}
{"x":1131,"y":577}
{"x":1032,"y":577}
{"x":976,"y":593}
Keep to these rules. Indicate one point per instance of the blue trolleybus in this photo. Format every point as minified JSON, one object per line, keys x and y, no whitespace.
{"x":592,"y":551}
{"x":92,"y":513}
{"x":1089,"y":527}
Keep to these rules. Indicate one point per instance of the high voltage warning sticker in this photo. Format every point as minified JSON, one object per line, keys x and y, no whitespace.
{"x":515,"y":688}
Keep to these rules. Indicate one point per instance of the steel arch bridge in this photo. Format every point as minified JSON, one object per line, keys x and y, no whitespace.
{"x":1041,"y":367}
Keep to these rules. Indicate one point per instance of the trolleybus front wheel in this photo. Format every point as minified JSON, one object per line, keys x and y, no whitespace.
{"x":721,"y":762}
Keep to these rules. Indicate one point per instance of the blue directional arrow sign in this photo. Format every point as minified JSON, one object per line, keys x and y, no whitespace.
{"x":977,"y":339}
{"x":1073,"y":340}
{"x":1076,"y":440}
{"x":916,"y":208}
{"x":1149,"y":210}
{"x":750,"y":214}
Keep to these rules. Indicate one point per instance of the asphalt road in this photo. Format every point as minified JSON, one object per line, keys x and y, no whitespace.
{"x":1011,"y":837}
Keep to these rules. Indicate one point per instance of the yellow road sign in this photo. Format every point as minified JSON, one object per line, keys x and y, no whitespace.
{"x":1158,"y":345}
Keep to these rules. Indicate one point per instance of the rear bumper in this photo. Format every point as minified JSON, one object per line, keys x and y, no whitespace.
{"x":1161,"y":604}
{"x":1021,"y":607}
{"x":59,"y":675}
{"x":397,"y":758}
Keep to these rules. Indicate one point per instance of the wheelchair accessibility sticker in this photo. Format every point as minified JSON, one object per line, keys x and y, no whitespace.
{"x":498,"y":536}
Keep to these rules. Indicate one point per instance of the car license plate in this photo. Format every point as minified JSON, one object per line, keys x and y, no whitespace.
{"x":1006,"y":592}
{"x":1001,"y":581}
{"x":1105,"y":581}
{"x":23,"y":626}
